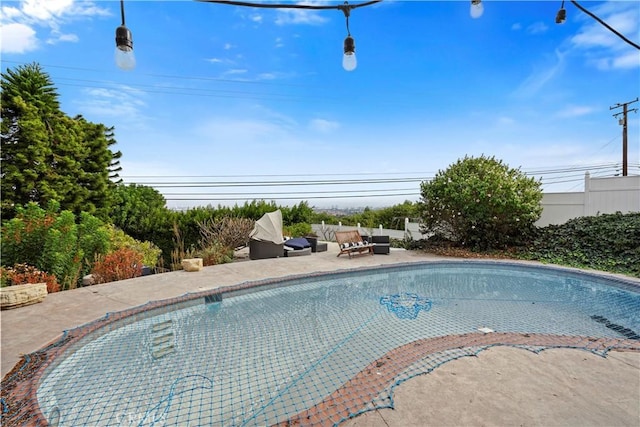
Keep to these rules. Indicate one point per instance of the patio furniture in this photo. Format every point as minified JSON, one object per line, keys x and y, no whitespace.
{"x":266,"y":237}
{"x":351,"y":242}
{"x":382,"y":244}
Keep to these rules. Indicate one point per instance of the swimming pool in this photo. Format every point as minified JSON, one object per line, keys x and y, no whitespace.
{"x":267,"y":352}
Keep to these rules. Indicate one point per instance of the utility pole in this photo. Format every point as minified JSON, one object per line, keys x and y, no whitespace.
{"x":623,"y":122}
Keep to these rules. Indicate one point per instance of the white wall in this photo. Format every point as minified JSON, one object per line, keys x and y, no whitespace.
{"x":601,"y":196}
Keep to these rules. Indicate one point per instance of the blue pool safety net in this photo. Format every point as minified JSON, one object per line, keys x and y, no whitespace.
{"x":320,"y":349}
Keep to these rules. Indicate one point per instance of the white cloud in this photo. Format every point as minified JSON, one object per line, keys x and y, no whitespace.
{"x":505,"y":121}
{"x":537,"y":28}
{"x":122,"y":102}
{"x":323,"y":126}
{"x":20,"y":24}
{"x":602,"y":48}
{"x":628,"y":60}
{"x":301,"y":16}
{"x":517,"y":26}
{"x":256,"y":18}
{"x":242,"y":131}
{"x":622,"y":61}
{"x":539,"y":78}
{"x":235,"y":72}
{"x":58,"y":37}
{"x":595,"y":35}
{"x":45,"y":10}
{"x":18,"y":38}
{"x":8,"y":12}
{"x":574,"y":111}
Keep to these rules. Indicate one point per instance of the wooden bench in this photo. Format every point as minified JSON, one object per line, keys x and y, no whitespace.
{"x":351,"y":242}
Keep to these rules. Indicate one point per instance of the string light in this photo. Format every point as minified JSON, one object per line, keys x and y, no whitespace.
{"x":124,"y":43}
{"x":349,"y":62}
{"x":561,"y":16}
{"x":477,"y":9}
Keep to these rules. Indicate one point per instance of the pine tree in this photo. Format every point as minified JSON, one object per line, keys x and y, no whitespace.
{"x":47,"y":155}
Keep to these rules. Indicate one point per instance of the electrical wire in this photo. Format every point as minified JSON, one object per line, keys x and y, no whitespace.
{"x":291,"y":5}
{"x":549,"y":177}
{"x":603,"y":23}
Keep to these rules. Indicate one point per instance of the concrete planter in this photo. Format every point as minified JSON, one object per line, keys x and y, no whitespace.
{"x":21,"y":295}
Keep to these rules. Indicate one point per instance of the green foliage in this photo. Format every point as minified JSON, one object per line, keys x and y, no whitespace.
{"x":23,"y":237}
{"x":609,"y":242}
{"x":300,"y":213}
{"x":301,"y":229}
{"x":54,"y":242}
{"x":61,"y":254}
{"x":46,"y":155}
{"x":93,"y":238}
{"x":212,"y":254}
{"x":480,"y":203}
{"x":141,"y":212}
{"x":124,"y":263}
{"x":21,"y":274}
{"x":118,"y":239}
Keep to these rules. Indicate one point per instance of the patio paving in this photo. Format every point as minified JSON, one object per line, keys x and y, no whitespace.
{"x":502,"y":386}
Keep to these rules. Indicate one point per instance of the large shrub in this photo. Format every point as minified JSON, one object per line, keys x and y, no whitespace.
{"x":480,"y":203}
{"x":67,"y":247}
{"x":609,"y":242}
{"x":118,"y":239}
{"x":21,"y":274}
{"x":124,"y":263}
{"x":53,"y":242}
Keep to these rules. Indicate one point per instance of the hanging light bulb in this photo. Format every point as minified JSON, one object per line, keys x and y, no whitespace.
{"x":477,"y":9}
{"x":124,"y":56}
{"x":561,"y":16}
{"x":349,"y":62}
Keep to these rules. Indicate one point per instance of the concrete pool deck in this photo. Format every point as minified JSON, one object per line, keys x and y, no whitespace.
{"x":501,"y":386}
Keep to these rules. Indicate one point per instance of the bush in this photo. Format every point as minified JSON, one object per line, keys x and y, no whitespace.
{"x":230,"y":232}
{"x":118,"y":239}
{"x":480,"y":203}
{"x":51,"y":242}
{"x":21,"y":274}
{"x":608,"y":242}
{"x":301,"y":229}
{"x":124,"y":263}
{"x":215,"y":253}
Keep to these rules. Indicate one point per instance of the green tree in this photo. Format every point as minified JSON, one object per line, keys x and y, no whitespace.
{"x":141,"y":212}
{"x":46,"y":155}
{"x":480,"y":203}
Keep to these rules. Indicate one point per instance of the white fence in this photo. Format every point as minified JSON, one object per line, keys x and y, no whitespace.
{"x":601,"y":195}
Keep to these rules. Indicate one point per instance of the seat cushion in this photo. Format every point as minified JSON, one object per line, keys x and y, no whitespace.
{"x":298,"y":243}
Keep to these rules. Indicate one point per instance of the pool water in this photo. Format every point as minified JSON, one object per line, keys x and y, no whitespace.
{"x":259,"y":356}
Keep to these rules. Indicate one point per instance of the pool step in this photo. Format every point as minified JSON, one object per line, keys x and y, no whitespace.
{"x":162,"y":339}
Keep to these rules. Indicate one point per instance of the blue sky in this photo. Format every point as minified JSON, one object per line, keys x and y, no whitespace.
{"x":224,"y":94}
